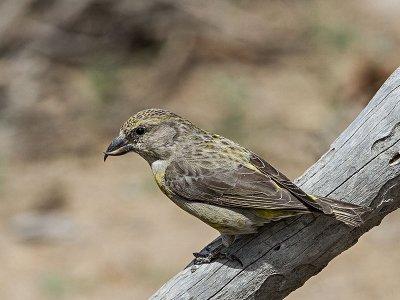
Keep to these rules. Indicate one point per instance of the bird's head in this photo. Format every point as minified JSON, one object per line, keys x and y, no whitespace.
{"x":152,"y":133}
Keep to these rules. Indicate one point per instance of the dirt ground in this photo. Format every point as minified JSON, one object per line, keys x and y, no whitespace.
{"x":74,"y":227}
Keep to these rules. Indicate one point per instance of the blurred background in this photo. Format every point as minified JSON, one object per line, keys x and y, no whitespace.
{"x":283,"y":78}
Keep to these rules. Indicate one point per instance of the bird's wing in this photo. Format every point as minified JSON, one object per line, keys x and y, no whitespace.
{"x":229,"y":187}
{"x":284,"y":182}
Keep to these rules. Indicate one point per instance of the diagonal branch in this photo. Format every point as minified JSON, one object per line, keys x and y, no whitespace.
{"x":362,"y":166}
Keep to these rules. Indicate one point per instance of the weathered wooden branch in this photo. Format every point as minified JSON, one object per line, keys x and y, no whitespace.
{"x":362,"y":166}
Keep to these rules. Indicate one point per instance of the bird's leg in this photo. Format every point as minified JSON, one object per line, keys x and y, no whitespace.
{"x":228,"y":240}
{"x":208,"y":255}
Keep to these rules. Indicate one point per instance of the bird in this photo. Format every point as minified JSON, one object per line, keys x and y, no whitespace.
{"x":220,"y":182}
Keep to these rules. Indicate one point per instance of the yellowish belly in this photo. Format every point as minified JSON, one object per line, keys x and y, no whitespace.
{"x":225,"y":220}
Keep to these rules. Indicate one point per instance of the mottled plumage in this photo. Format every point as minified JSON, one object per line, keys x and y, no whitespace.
{"x":225,"y":185}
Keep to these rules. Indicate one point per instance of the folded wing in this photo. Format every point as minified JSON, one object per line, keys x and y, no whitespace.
{"x":229,"y":187}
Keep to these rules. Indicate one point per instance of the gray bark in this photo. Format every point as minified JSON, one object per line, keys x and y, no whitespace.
{"x":362,"y":166}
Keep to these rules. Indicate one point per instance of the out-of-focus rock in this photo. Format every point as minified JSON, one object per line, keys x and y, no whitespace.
{"x":43,"y":227}
{"x":54,"y":198}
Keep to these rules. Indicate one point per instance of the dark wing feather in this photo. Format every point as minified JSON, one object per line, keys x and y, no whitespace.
{"x":240,"y":187}
{"x":287,"y":184}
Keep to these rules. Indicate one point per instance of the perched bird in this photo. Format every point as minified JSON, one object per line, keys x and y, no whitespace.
{"x":220,"y":182}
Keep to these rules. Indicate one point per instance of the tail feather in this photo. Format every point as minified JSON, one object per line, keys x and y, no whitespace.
{"x":348,"y":213}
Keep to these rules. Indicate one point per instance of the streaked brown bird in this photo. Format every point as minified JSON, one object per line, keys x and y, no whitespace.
{"x":220,"y":182}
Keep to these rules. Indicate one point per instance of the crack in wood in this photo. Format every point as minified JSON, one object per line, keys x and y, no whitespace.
{"x":395,"y":159}
{"x":363,"y":166}
{"x":368,"y":115}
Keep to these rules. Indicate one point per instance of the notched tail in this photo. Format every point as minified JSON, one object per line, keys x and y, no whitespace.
{"x":348,"y":213}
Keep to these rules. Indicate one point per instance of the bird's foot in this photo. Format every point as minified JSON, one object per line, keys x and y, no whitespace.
{"x":208,"y":255}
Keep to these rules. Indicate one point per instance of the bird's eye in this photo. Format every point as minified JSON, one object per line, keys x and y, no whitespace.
{"x":140,"y":130}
